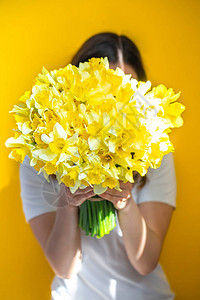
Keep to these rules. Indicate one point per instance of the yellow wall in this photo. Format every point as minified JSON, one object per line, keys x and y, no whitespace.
{"x":37,"y":33}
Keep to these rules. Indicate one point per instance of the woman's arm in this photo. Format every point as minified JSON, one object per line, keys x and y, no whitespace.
{"x":59,"y":235}
{"x":63,"y":246}
{"x":144,"y":227}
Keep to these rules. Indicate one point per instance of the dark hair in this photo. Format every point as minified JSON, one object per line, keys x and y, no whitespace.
{"x":108,"y":44}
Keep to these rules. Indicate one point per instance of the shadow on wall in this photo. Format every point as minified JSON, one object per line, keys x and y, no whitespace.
{"x":22,"y":259}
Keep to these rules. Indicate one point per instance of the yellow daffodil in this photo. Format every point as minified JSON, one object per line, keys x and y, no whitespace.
{"x":51,"y":167}
{"x":19,"y":154}
{"x":82,"y":124}
{"x":94,"y":126}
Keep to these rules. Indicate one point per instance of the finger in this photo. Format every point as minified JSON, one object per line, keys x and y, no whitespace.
{"x":109,"y":197}
{"x":83,"y":197}
{"x":96,"y":198}
{"x":117,"y":194}
{"x":115,"y":199}
{"x":118,"y":204}
{"x":78,"y":191}
{"x":83,"y":191}
{"x":125,"y":185}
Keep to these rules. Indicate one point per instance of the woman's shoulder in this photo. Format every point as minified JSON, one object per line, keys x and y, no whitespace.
{"x":167,"y":163}
{"x":28,"y":171}
{"x":38,"y":195}
{"x":160,"y":183}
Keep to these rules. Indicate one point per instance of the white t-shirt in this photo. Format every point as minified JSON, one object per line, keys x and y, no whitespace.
{"x":105,"y":271}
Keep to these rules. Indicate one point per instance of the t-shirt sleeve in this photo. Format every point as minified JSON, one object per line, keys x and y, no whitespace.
{"x":36,"y":193}
{"x":161,"y":183}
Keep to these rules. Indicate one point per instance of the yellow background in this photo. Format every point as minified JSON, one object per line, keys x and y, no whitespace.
{"x":37,"y":33}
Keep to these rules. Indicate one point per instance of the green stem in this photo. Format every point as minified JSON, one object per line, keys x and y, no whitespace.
{"x":102,"y":204}
{"x":89,"y":213}
{"x":100,"y":219}
{"x":97,"y":217}
{"x":94,"y":219}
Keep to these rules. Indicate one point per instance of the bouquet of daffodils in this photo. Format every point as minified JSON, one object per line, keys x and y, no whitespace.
{"x":92,"y":125}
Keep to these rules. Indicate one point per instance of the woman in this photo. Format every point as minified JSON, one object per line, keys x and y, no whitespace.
{"x":125,"y":263}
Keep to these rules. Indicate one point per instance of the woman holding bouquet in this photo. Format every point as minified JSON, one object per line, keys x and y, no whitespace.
{"x":125,"y":263}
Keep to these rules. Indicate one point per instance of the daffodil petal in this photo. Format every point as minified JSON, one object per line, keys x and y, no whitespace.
{"x":59,"y":131}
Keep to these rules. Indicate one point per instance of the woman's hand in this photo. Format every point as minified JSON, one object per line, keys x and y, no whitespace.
{"x":74,"y":199}
{"x":119,"y":199}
